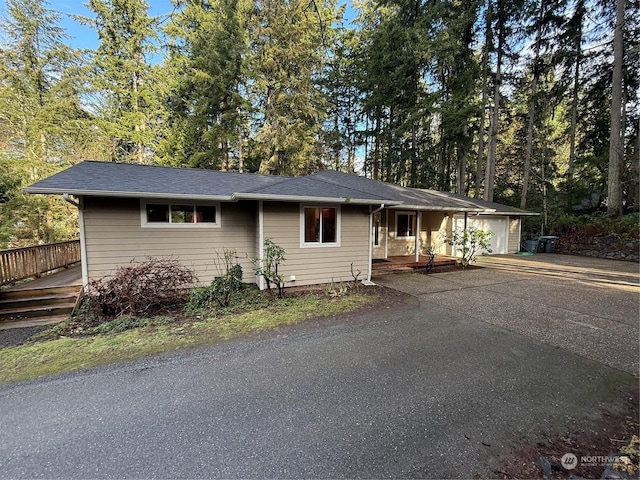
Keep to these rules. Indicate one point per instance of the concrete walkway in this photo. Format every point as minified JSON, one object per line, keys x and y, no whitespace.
{"x":587,"y":306}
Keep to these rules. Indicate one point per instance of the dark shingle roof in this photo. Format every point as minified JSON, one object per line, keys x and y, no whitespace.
{"x":312,"y":187}
{"x":131,"y":180}
{"x":144,"y":181}
{"x":407,"y":197}
{"x":419,"y":198}
{"x":497,"y":208}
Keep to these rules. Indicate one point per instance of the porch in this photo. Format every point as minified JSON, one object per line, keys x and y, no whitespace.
{"x":396,"y":262}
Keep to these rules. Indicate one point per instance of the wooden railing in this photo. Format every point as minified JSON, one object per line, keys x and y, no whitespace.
{"x":19,"y":263}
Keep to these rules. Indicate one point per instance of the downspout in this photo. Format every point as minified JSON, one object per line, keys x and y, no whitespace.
{"x":371,"y":213}
{"x":68,"y":199}
{"x":83,"y":239}
{"x":261,"y":242}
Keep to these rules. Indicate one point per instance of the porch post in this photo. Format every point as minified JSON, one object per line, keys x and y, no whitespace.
{"x":371,"y":213}
{"x":386,"y":235}
{"x":417,"y":235}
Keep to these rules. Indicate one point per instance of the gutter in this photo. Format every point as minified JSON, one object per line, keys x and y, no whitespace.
{"x":111,"y":193}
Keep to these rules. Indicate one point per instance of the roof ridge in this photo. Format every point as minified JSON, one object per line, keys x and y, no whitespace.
{"x":196,"y":169}
{"x":281,"y":179}
{"x":343,"y":186}
{"x":351,"y":188}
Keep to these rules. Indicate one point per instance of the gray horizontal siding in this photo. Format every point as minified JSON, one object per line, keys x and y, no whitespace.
{"x":317,"y":265}
{"x":114,"y":237}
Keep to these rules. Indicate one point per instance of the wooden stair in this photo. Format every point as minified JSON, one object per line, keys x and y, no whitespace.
{"x":37,"y":306}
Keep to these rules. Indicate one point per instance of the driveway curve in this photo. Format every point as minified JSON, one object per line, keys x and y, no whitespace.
{"x":417,"y":391}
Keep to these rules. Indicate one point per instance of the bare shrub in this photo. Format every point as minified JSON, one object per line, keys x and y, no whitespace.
{"x":141,"y":288}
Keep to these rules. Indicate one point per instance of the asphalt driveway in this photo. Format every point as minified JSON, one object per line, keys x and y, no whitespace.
{"x":588,"y":306}
{"x":422,"y":390}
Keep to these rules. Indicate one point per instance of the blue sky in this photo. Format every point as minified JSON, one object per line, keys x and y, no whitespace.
{"x":85,"y":37}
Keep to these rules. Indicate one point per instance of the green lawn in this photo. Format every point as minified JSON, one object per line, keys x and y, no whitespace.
{"x":64,"y":354}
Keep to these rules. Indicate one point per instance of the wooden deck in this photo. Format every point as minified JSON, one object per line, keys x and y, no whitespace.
{"x":66,"y":277}
{"x":45,"y":300}
{"x":409,"y":261}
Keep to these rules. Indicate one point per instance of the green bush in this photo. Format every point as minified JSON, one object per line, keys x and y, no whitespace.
{"x":470,"y":242}
{"x":221,"y":289}
{"x":267,"y":267}
{"x":201,"y":301}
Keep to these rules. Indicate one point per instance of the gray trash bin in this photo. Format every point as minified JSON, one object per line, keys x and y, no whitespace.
{"x":530,"y":246}
{"x":550,"y":243}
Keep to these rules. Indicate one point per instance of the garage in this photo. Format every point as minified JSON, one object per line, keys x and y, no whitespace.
{"x":499,"y":225}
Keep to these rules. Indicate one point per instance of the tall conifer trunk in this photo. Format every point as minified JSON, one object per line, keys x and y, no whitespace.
{"x":490,"y":171}
{"x":483,"y":102}
{"x":526,"y":177}
{"x":616,"y":151}
{"x":577,"y":49}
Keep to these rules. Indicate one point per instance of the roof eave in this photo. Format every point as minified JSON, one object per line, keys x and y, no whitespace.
{"x":110,"y":193}
{"x":513,"y":214}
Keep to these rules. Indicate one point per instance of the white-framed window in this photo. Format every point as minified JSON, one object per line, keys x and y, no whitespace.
{"x":319,"y":226}
{"x":405,"y":224}
{"x":178,"y":214}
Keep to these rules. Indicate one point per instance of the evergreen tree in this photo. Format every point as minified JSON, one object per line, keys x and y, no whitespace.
{"x":208,"y":50}
{"x":395,"y":103}
{"x":547,"y":19}
{"x":572,"y":58}
{"x":123,"y":76}
{"x":43,"y":127}
{"x":341,"y":134}
{"x":288,"y":54}
{"x":458,"y":71}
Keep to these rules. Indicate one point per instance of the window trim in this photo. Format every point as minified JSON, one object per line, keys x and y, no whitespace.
{"x":320,"y":244}
{"x":411,"y":213}
{"x":145,"y":224}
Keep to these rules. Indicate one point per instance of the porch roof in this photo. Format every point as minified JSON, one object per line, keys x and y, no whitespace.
{"x":401,"y":197}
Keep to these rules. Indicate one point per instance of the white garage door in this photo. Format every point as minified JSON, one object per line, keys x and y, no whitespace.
{"x":498,"y":225}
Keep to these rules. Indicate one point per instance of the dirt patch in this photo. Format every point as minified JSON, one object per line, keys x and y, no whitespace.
{"x":613,"y":431}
